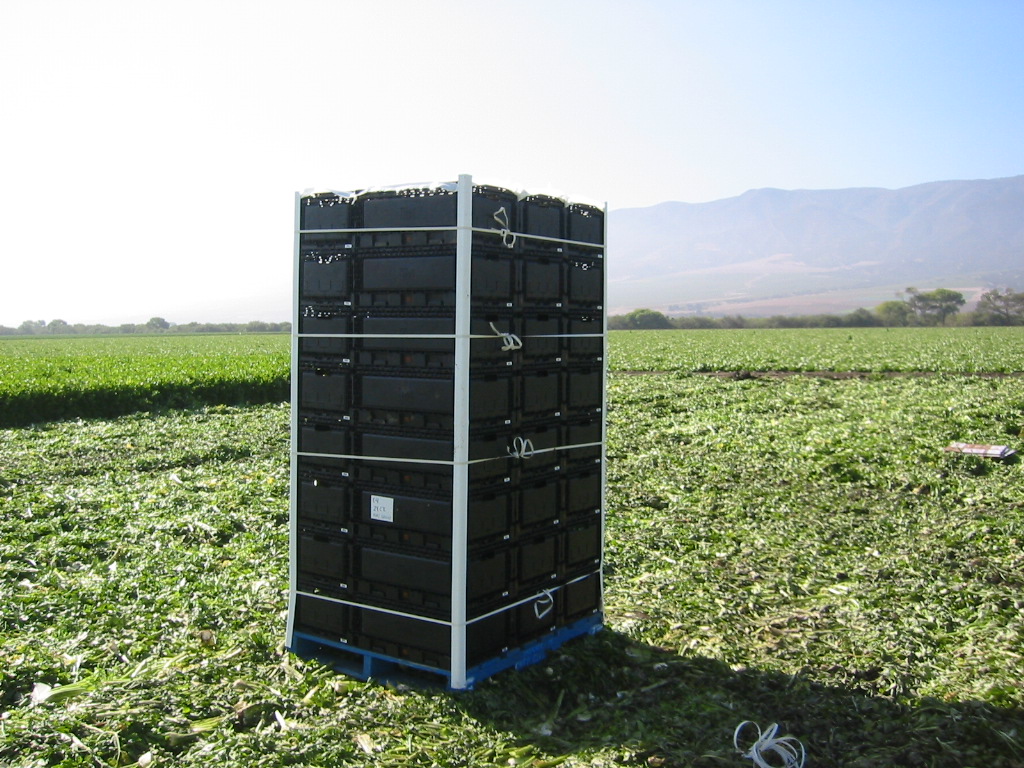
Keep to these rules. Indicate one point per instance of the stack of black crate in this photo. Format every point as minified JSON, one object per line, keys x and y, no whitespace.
{"x":448,"y":372}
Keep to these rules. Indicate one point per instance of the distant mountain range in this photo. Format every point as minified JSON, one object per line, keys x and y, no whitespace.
{"x":771,"y":251}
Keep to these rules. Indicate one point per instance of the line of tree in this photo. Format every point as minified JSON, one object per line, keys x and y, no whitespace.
{"x":914,"y":307}
{"x":153,"y":325}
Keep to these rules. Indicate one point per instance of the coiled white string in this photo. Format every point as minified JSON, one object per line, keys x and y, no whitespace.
{"x":508,"y":238}
{"x":543,"y":605}
{"x":767,"y":744}
{"x":512,"y":342}
{"x":521,"y":448}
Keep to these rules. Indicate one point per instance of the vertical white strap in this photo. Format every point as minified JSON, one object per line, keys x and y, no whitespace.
{"x":460,"y":458}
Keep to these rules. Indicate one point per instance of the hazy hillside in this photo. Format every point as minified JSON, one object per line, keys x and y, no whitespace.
{"x":771,"y":251}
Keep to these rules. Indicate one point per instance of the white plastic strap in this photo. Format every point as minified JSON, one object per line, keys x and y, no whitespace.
{"x":508,"y":238}
{"x":512,"y":342}
{"x":544,"y":605}
{"x":767,"y":743}
{"x":521,"y":448}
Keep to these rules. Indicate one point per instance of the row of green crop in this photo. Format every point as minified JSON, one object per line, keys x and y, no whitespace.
{"x":49,"y":379}
{"x":937,"y":350}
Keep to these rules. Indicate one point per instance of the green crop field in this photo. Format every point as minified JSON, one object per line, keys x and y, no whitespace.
{"x":78,"y":377}
{"x":944,"y":350}
{"x":795,"y":550}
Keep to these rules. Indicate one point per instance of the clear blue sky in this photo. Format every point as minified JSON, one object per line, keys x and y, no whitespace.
{"x":151,"y":151}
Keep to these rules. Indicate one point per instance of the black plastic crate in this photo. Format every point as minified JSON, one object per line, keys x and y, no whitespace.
{"x":580,"y":598}
{"x":405,"y":300}
{"x":591,"y":323}
{"x":486,"y":446}
{"x":318,"y":246}
{"x":534,"y":450}
{"x":488,"y":637}
{"x":416,"y":641}
{"x":402,"y":569}
{"x":492,"y":278}
{"x":538,"y":559}
{"x":413,"y":640}
{"x":489,"y":515}
{"x":325,"y":277}
{"x":405,"y":446}
{"x":420,"y":602}
{"x":334,"y":351}
{"x":540,"y":502}
{"x":411,"y":512}
{"x":487,"y":475}
{"x":584,"y":349}
{"x":324,"y":389}
{"x":406,"y":637}
{"x":403,"y":239}
{"x":390,"y":331}
{"x":541,"y":392}
{"x":424,"y":584}
{"x":583,"y":543}
{"x":390,"y":536}
{"x":585,"y":457}
{"x":391,"y":327}
{"x":408,"y":273}
{"x":323,"y":553}
{"x":542,"y":215}
{"x":324,"y":618}
{"x":541,"y":281}
{"x":409,"y":208}
{"x":495,"y":208}
{"x":536,"y":618}
{"x":404,"y":358}
{"x":325,"y":318}
{"x":417,"y":393}
{"x":540,"y":334}
{"x":326,"y":437}
{"x":419,"y":478}
{"x":327,"y":211}
{"x":542,"y":438}
{"x":431,"y":479}
{"x":584,"y":223}
{"x":490,"y":396}
{"x":411,"y":423}
{"x":585,"y":283}
{"x":581,"y":431}
{"x":583,"y":492}
{"x":325,"y":501}
{"x":426,"y":522}
{"x":584,"y":389}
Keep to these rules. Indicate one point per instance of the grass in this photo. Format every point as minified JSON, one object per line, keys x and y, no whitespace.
{"x":795,"y":550}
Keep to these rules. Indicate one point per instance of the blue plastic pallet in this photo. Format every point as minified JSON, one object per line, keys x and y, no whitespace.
{"x":367,"y":665}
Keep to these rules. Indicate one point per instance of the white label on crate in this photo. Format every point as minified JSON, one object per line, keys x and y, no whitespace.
{"x":382,"y":508}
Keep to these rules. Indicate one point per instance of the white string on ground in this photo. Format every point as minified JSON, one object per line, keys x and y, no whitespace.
{"x":785,"y":747}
